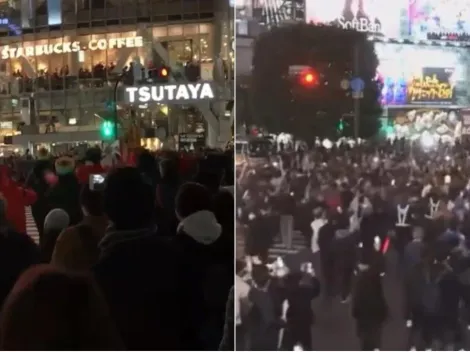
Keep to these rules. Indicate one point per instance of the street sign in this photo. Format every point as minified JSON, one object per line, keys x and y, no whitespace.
{"x":357,"y":84}
{"x":357,"y":95}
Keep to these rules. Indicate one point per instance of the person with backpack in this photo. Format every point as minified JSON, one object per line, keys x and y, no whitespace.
{"x":77,"y":246}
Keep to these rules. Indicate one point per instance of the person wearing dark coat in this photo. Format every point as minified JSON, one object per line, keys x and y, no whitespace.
{"x":36,"y":181}
{"x":140,"y":271}
{"x":65,"y":194}
{"x":17,"y":253}
{"x":209,"y":266}
{"x":369,"y":307}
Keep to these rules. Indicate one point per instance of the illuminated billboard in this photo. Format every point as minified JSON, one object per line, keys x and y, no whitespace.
{"x":383,"y":17}
{"x":439,"y":19}
{"x":423,"y":75}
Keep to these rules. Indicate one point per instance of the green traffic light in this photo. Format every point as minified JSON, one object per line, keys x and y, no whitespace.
{"x":341,"y":126}
{"x":107,"y":129}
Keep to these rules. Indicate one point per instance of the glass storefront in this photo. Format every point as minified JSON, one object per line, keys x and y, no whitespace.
{"x":72,"y":75}
{"x":71,"y":60}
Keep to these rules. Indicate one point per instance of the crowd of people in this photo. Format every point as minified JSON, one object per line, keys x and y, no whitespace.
{"x":366,"y":211}
{"x":98,"y":77}
{"x":130,"y":257}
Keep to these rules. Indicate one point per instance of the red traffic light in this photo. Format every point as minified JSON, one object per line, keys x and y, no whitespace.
{"x":308,"y":78}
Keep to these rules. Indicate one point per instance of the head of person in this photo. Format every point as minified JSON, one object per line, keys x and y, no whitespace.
{"x":146,"y":162}
{"x":168,"y":169}
{"x":43,"y":154}
{"x":52,"y":310}
{"x":129,"y":201}
{"x":56,"y":220}
{"x":93,"y":156}
{"x":92,"y":202}
{"x":194,"y":210}
{"x":64,"y":166}
{"x":192,"y":198}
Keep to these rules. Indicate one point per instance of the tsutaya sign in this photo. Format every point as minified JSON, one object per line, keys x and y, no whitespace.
{"x":8,"y":52}
{"x":170,"y":93}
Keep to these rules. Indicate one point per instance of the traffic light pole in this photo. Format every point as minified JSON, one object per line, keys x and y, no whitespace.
{"x":357,"y":99}
{"x":115,"y":117}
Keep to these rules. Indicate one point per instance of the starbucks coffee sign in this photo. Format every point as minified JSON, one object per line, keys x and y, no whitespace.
{"x":170,"y":93}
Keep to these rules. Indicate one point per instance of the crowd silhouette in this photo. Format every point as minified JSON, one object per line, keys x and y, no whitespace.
{"x":98,"y":76}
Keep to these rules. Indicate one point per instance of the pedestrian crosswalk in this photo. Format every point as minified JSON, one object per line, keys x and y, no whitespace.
{"x":278,"y":249}
{"x":31,"y":228}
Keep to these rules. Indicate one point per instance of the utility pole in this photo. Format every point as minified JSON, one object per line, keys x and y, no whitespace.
{"x":357,"y":106}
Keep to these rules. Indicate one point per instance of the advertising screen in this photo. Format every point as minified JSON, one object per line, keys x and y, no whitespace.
{"x":434,"y":85}
{"x":422,"y":75}
{"x":439,"y":19}
{"x":383,"y":17}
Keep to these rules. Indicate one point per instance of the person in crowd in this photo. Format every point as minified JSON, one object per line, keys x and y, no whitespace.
{"x":92,"y":165}
{"x":149,"y":299}
{"x":16,"y":198}
{"x":56,"y":221}
{"x":228,"y":340}
{"x":301,"y":287}
{"x":51,"y":310}
{"x":66,"y":192}
{"x":369,"y":308}
{"x":224,"y":207}
{"x":77,"y":246}
{"x":166,"y":190}
{"x":17,"y":253}
{"x":36,"y":181}
{"x":210,"y":269}
{"x":147,"y":165}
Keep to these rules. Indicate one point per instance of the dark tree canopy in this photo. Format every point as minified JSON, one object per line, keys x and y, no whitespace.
{"x":282,"y":104}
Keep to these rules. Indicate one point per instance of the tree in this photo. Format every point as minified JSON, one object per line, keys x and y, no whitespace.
{"x":282,"y":104}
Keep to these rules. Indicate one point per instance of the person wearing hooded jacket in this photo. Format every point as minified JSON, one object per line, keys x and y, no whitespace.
{"x":37,"y":182}
{"x":210,"y":271}
{"x":65,"y":194}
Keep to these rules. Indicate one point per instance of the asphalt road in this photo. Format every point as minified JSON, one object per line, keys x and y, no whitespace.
{"x":334,"y":328}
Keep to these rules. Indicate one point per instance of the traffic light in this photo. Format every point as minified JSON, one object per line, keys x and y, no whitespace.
{"x":308,"y":78}
{"x":108,"y":130}
{"x":160,"y":74}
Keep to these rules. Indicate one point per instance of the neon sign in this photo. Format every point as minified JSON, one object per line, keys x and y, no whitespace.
{"x":429,"y":88}
{"x":170,"y":93}
{"x":8,"y":52}
{"x":360,"y":25}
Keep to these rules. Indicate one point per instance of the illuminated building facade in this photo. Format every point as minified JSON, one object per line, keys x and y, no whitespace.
{"x":64,"y":59}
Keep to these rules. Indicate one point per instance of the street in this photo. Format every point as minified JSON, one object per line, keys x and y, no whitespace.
{"x":334,"y":328}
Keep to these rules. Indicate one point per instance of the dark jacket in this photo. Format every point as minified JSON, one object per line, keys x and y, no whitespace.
{"x":17,"y":253}
{"x":228,"y":341}
{"x":140,"y":274}
{"x":209,"y":272}
{"x":66,"y":195}
{"x":368,"y":303}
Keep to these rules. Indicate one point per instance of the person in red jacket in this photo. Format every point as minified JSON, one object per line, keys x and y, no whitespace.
{"x":92,"y":166}
{"x":16,"y":199}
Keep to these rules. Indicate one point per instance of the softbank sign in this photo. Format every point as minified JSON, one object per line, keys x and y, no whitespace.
{"x":170,"y":93}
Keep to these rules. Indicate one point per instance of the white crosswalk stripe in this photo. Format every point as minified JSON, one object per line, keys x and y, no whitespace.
{"x":31,"y":228}
{"x":278,"y":249}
